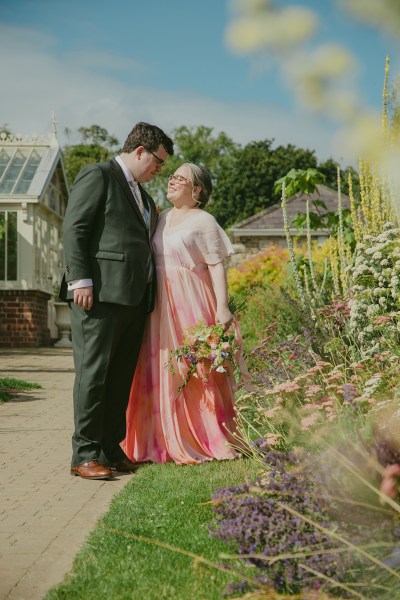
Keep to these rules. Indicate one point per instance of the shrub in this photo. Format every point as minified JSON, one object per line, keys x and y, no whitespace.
{"x":375,"y":302}
{"x":266,"y":267}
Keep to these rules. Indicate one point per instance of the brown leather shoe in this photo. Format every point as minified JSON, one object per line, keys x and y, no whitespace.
{"x":92,"y":470}
{"x":124,"y":465}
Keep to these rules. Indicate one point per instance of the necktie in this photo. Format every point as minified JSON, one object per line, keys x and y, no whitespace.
{"x":137,"y":195}
{"x":139,"y":201}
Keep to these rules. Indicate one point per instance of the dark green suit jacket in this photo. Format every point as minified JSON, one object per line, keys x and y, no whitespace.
{"x":106,"y":238}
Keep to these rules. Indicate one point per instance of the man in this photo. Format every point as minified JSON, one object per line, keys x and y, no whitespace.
{"x":110,"y":280}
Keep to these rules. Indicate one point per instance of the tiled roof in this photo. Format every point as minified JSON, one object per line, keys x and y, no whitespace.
{"x":272,"y":217}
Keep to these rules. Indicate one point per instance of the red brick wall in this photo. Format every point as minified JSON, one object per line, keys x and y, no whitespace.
{"x":23,"y":318}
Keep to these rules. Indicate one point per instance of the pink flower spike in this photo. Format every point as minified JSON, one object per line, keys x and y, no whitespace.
{"x":309,"y":421}
{"x":382,"y":319}
{"x":272,"y":438}
{"x":287,"y":387}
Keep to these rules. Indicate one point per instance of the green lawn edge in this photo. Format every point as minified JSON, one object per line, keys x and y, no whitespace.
{"x":169,"y":504}
{"x":10,"y":387}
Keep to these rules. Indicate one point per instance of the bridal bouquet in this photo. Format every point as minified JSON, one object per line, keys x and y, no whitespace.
{"x":207,"y":348}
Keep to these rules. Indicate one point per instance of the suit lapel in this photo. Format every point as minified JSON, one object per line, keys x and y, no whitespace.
{"x":116,"y":169}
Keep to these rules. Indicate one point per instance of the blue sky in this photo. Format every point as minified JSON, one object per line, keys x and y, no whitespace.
{"x":164,"y":61}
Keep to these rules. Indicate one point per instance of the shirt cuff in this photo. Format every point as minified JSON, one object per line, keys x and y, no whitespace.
{"x":80,"y":283}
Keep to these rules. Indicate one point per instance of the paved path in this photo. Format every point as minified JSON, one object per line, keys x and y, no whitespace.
{"x":45,"y":514}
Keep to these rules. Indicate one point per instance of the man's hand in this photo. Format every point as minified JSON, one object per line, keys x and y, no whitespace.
{"x":83,"y":297}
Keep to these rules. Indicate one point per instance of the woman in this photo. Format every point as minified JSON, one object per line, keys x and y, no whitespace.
{"x":196,"y":423}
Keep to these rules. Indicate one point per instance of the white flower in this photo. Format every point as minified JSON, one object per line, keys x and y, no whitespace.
{"x":372,"y":310}
{"x":220,"y":369}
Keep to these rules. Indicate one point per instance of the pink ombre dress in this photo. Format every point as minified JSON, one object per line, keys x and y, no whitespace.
{"x":195,"y":424}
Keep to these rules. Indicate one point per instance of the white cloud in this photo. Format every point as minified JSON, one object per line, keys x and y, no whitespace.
{"x":37,"y":80}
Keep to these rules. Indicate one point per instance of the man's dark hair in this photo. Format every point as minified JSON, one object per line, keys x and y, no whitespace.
{"x":149,"y":136}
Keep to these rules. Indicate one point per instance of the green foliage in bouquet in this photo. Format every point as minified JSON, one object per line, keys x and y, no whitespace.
{"x":206,"y":348}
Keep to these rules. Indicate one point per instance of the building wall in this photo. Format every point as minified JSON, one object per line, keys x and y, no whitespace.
{"x":39,"y":260}
{"x":23,"y":318}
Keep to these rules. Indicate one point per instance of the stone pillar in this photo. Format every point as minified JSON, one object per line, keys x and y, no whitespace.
{"x":23,"y":318}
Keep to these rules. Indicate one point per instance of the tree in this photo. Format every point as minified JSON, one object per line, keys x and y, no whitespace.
{"x":306,"y":182}
{"x":245,"y":179}
{"x":97,"y":145}
{"x":5,"y":129}
{"x":97,"y":135}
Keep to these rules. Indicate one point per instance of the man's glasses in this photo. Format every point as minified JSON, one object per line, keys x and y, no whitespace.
{"x":178,"y":179}
{"x":160,"y":162}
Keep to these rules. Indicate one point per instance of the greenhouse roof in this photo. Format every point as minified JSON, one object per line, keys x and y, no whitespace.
{"x":26,"y":164}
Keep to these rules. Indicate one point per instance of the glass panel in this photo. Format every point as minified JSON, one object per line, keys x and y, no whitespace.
{"x":4,"y":160}
{"x":28,"y":173}
{"x":22,"y":187}
{"x":6,"y":187}
{"x":2,"y":246}
{"x":19,"y":168}
{"x":53,"y":198}
{"x":8,"y":246}
{"x":12,"y":246}
{"x":19,"y":159}
{"x":13,"y":172}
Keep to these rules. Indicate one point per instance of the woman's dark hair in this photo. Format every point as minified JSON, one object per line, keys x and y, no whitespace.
{"x":201,"y":177}
{"x":149,"y":136}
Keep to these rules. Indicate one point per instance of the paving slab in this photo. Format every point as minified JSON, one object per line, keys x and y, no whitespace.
{"x":45,"y":513}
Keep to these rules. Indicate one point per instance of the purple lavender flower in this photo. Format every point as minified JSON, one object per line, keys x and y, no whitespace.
{"x":191,"y":358}
{"x":250,"y":518}
{"x":349,"y":392}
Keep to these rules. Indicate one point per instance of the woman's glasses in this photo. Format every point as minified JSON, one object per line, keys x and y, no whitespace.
{"x":178,"y":179}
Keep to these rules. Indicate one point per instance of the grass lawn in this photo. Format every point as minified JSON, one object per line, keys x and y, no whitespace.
{"x":10,"y":387}
{"x":169,"y":504}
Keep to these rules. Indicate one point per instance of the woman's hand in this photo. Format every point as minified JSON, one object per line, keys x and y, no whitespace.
{"x":218,"y":279}
{"x":225,"y":317}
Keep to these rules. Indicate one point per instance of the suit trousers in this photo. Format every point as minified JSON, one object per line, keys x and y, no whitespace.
{"x":106,"y":343}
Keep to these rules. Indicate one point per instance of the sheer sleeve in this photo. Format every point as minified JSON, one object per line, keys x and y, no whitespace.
{"x":209,"y":243}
